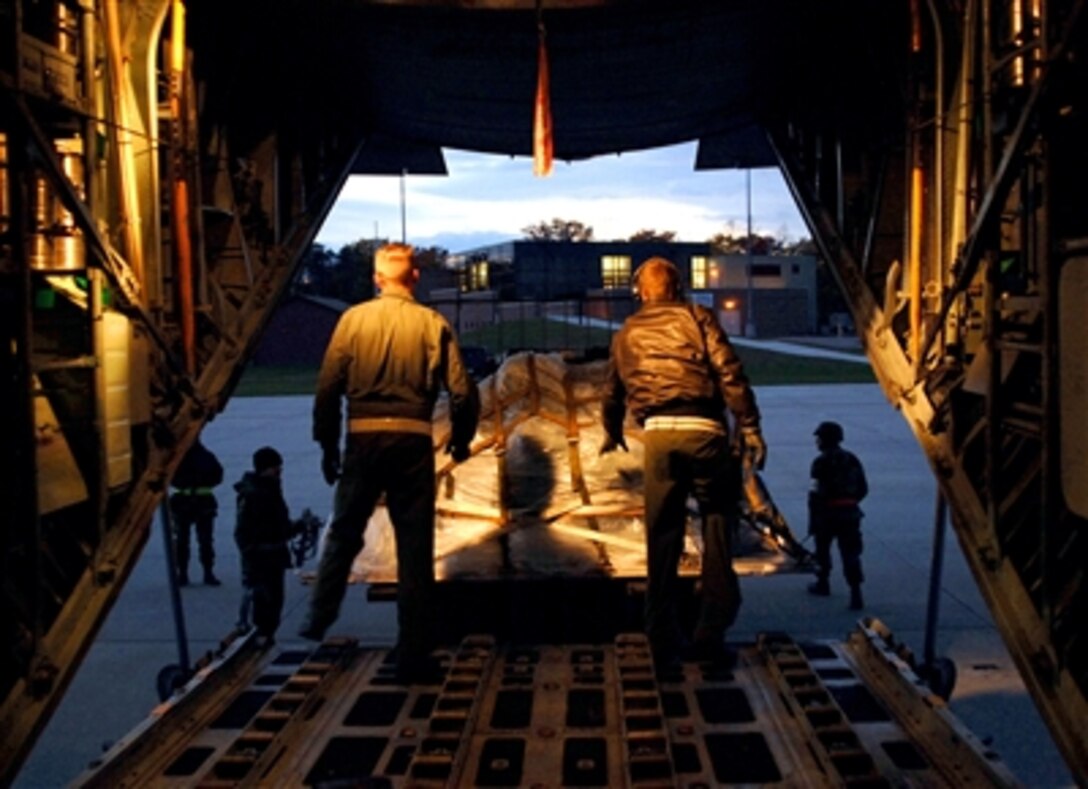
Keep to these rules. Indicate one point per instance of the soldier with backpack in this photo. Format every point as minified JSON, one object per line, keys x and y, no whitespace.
{"x":838,"y":485}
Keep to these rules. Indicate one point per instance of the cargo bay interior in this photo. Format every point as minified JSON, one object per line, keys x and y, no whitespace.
{"x":165,"y":165}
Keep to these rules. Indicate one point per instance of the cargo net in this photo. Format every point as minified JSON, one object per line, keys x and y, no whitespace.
{"x":535,"y":498}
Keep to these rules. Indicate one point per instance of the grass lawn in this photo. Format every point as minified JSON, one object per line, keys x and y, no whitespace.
{"x":260,"y":381}
{"x":764,"y":368}
{"x":767,"y":368}
{"x":537,"y":333}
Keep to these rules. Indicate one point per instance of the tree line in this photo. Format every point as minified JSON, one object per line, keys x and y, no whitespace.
{"x":348,"y":273}
{"x":724,"y":243}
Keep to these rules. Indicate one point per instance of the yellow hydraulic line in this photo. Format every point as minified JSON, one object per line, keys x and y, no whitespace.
{"x":122,"y":142}
{"x":182,"y":243}
{"x":1040,"y":26}
{"x":914,"y":217}
{"x":914,"y":263}
{"x":96,"y":310}
{"x":957,"y":226}
{"x":1016,"y":34}
{"x":915,"y":28}
{"x":937,"y":227}
{"x":964,"y":117}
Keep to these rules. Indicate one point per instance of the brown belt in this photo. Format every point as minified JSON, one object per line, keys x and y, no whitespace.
{"x":388,"y":424}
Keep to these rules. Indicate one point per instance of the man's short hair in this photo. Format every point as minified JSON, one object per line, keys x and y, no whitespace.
{"x":657,"y":279}
{"x":393,"y":264}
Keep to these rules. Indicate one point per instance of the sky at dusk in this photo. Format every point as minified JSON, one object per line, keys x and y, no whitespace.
{"x":488,"y":198}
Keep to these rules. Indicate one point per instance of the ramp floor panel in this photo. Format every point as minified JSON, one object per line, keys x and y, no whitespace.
{"x":774,"y":713}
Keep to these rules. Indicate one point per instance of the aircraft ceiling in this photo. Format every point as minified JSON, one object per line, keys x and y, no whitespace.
{"x":624,"y":75}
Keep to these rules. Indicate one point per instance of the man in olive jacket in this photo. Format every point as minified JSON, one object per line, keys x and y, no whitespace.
{"x":388,"y":358}
{"x":673,"y":367}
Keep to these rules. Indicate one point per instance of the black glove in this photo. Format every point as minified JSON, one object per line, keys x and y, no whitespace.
{"x":330,"y":464}
{"x":610,"y":444}
{"x":459,"y":452}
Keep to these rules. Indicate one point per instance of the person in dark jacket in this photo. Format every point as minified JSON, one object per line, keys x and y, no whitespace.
{"x":193,"y":505}
{"x":838,"y":485}
{"x":388,"y":358}
{"x":262,"y":531}
{"x":674,"y":369}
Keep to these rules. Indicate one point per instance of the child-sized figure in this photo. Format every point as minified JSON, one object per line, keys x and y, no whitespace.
{"x":262,"y":531}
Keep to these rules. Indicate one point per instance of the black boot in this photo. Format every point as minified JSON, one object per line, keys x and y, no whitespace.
{"x":856,"y":603}
{"x":210,"y":579}
{"x":820,"y":588}
{"x":311,"y":631}
{"x":183,"y":577}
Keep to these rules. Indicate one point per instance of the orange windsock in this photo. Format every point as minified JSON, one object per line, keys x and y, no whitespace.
{"x":542,"y":115}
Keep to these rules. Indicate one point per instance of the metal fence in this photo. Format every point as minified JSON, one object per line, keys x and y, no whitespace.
{"x":583,"y":326}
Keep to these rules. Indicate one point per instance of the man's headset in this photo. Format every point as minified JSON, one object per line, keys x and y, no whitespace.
{"x":672,"y":276}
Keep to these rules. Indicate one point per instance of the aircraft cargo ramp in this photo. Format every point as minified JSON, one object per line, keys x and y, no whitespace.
{"x":781,"y":712}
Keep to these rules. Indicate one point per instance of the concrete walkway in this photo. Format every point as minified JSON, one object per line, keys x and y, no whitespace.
{"x":114,"y":690}
{"x":815,"y":348}
{"x":843,"y":349}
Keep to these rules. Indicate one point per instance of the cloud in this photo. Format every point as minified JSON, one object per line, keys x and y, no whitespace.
{"x":494,"y":197}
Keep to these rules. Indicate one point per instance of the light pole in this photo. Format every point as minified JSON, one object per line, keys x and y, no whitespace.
{"x":750,"y":308}
{"x":403,"y":209}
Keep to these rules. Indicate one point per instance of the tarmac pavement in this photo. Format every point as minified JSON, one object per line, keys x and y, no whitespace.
{"x":115,"y":688}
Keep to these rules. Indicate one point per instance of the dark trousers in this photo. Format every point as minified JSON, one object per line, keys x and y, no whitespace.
{"x":262,"y":579}
{"x":189,"y":512}
{"x":699,"y":464}
{"x":401,"y":465}
{"x":847,"y":532}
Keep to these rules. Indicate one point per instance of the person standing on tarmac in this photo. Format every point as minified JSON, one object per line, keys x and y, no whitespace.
{"x":673,"y":366}
{"x":838,"y":485}
{"x":388,"y":357}
{"x":262,"y":530}
{"x":193,"y":504}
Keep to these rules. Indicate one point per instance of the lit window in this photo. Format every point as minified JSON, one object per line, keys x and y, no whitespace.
{"x":475,"y":276}
{"x":699,"y":268}
{"x":480,"y":275}
{"x":615,"y":271}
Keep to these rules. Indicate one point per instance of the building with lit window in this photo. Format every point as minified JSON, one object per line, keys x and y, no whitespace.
{"x":771,"y":295}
